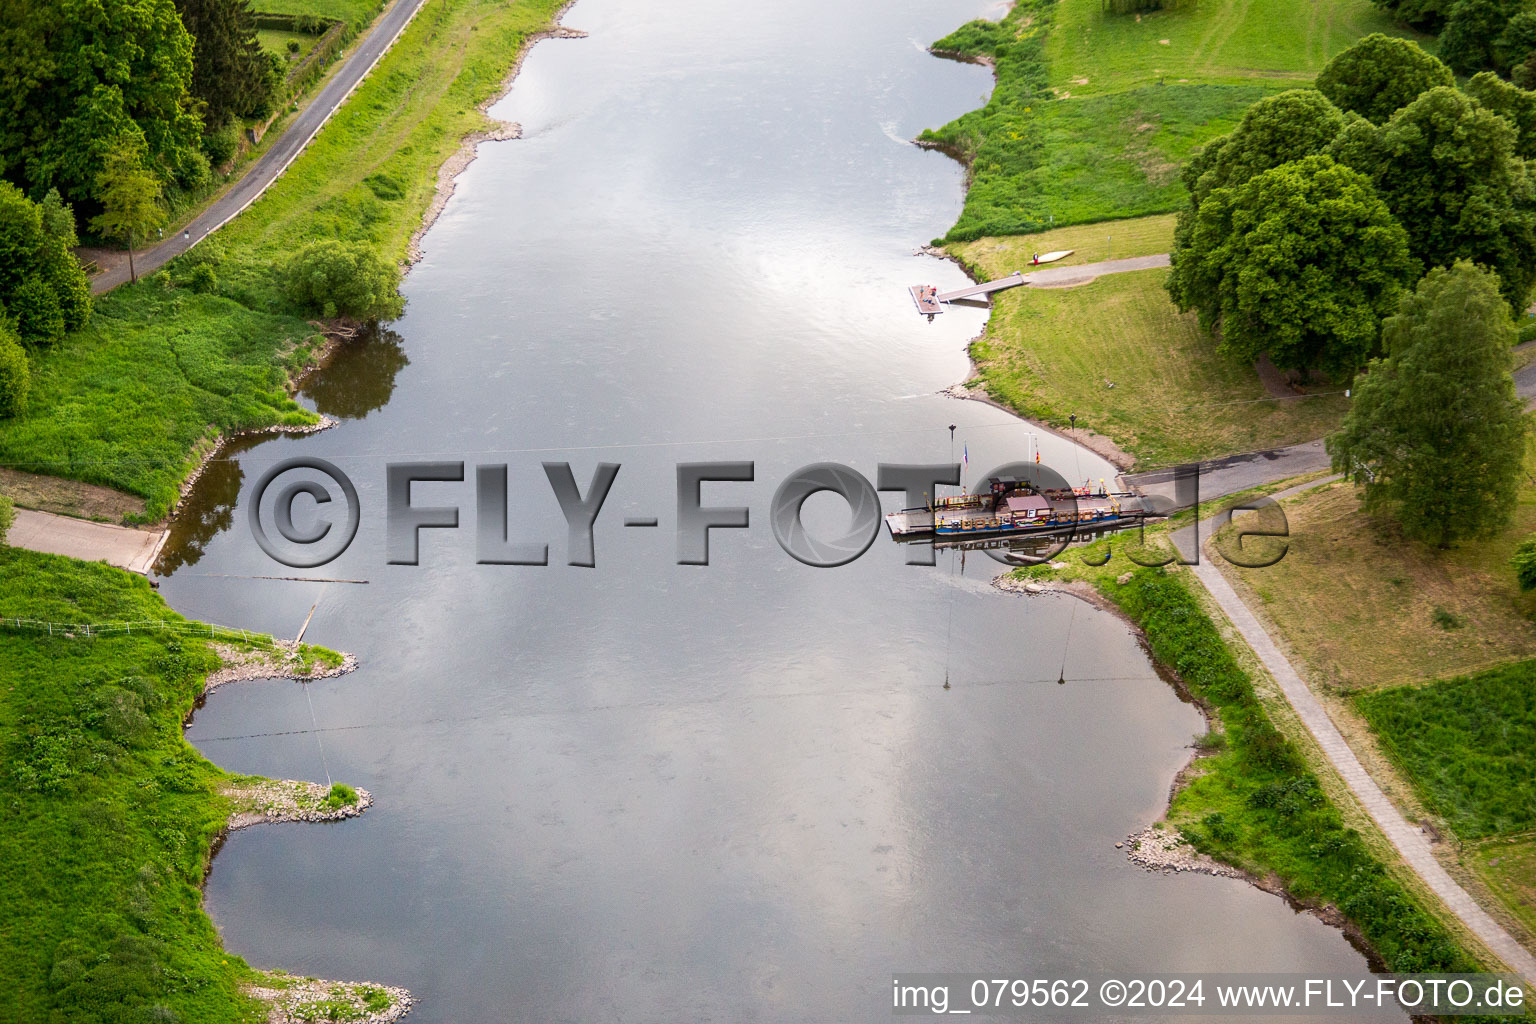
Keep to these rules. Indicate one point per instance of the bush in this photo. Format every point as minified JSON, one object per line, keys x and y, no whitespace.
{"x":1526,"y":333}
{"x":221,"y":143}
{"x":344,"y":279}
{"x":7,"y":517}
{"x":35,"y":305}
{"x":1524,"y":564}
{"x":202,"y":279}
{"x":15,"y":375}
{"x":293,"y":46}
{"x":340,"y":795}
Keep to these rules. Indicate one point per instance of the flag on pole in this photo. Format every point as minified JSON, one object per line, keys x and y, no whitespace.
{"x":965,"y":454}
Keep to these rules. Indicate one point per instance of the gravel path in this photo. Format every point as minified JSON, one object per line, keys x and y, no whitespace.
{"x":1410,"y":841}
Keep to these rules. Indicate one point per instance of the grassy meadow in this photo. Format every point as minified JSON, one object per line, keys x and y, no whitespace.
{"x":109,"y":812}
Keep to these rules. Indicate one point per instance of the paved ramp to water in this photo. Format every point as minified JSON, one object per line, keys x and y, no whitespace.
{"x":122,"y":546}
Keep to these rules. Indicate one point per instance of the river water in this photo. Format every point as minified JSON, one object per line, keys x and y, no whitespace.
{"x":659,"y":792}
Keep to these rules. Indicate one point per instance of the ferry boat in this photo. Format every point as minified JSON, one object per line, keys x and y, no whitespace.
{"x":1013,"y":506}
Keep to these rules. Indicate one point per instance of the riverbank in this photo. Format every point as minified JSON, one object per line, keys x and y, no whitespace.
{"x":136,"y":399}
{"x":1255,"y":799}
{"x":112,"y":817}
{"x":1079,"y":147}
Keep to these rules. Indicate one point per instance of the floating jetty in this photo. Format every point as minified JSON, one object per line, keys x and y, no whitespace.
{"x":930,"y":300}
{"x":1010,"y":506}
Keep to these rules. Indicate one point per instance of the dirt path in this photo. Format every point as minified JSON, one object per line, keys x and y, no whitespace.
{"x":283,"y":152}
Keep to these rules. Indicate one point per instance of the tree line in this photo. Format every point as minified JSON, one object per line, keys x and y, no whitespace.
{"x":1381,"y":229}
{"x":157,"y":79}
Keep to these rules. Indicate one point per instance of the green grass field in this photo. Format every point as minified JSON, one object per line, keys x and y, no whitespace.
{"x":1468,"y":745}
{"x":1431,"y":613}
{"x":109,"y":813}
{"x":1277,"y":43}
{"x":130,"y":400}
{"x":1508,"y":867}
{"x":1052,"y":353}
{"x":276,"y":40}
{"x":354,"y":12}
{"x":1256,"y":803}
{"x":1094,"y":112}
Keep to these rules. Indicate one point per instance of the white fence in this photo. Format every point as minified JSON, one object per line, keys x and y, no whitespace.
{"x":99,"y":629}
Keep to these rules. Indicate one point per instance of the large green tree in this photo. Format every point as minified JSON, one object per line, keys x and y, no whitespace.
{"x":77,"y":74}
{"x":1446,"y":166}
{"x":42,"y":286}
{"x":1435,"y":435}
{"x":1299,"y":263}
{"x":1380,"y":75}
{"x":231,"y":73}
{"x":1274,"y":130}
{"x":1514,"y":104}
{"x":1469,"y":41}
{"x":130,"y":199}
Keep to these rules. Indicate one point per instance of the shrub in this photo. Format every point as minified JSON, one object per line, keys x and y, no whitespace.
{"x":293,"y":46}
{"x":35,"y":305}
{"x":344,"y":279}
{"x":221,"y":143}
{"x":1526,"y":333}
{"x":340,"y":795}
{"x":7,"y":517}
{"x":15,"y":375}
{"x":1524,"y":564}
{"x":202,"y":279}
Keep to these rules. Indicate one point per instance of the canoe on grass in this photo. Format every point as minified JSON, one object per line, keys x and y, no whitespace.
{"x":1052,"y":257}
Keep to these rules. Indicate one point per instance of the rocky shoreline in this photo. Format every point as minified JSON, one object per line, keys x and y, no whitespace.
{"x":1162,"y":848}
{"x":281,"y":661}
{"x":304,"y":1000}
{"x":270,"y":801}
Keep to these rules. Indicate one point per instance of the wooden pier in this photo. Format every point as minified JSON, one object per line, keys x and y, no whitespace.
{"x":930,"y":300}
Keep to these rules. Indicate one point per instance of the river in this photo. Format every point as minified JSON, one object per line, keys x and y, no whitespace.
{"x":740,"y":791}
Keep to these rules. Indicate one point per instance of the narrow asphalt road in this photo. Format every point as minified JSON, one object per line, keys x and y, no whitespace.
{"x":1408,"y":838}
{"x":1238,"y":472}
{"x":276,"y":159}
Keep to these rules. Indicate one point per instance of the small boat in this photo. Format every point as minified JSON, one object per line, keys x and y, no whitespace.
{"x":1052,"y":257}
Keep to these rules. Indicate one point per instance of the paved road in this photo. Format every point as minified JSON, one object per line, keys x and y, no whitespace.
{"x":122,"y":546}
{"x":282,"y":152}
{"x":1058,"y":277}
{"x":1410,"y":841}
{"x":1525,"y":383}
{"x":1239,"y":472}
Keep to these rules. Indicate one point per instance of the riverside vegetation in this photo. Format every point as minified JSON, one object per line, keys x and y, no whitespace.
{"x":109,"y":813}
{"x":210,"y":345}
{"x":1253,"y":800}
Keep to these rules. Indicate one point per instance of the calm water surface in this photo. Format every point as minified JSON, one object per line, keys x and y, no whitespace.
{"x":735,"y":792}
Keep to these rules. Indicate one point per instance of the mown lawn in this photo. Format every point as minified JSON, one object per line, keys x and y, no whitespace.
{"x":355,"y":12}
{"x":1468,"y":744}
{"x":1052,"y":353}
{"x":1427,"y":613}
{"x":129,"y":400}
{"x":1279,"y":43}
